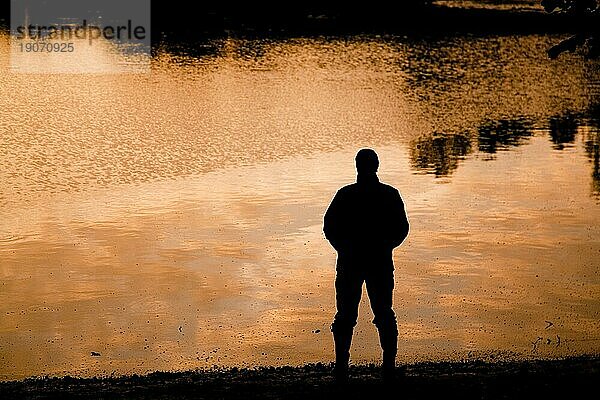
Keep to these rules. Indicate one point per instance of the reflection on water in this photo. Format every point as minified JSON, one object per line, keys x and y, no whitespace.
{"x":502,"y":134}
{"x":173,"y":220}
{"x":563,"y":129}
{"x":439,"y":154}
{"x":592,"y":148}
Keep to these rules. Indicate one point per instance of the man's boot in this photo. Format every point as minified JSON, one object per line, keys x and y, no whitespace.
{"x":389,"y":345}
{"x":342,"y":342}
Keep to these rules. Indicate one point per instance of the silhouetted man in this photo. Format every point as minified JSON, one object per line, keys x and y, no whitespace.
{"x":364,"y":223}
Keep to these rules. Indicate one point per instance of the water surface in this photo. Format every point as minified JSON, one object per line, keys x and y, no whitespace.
{"x":172,"y":220}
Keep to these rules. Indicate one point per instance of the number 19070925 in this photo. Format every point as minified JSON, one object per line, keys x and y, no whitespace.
{"x":46,"y":47}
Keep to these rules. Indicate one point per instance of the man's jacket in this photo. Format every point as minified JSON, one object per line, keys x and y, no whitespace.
{"x":365,"y":222}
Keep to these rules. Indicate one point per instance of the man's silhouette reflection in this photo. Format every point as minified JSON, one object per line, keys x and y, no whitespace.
{"x":364,"y":223}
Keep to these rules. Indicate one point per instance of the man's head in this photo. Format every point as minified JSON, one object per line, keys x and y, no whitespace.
{"x":366,"y":161}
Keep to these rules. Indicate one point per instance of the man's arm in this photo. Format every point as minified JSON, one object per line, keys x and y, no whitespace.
{"x":400,"y":225}
{"x":332,"y":222}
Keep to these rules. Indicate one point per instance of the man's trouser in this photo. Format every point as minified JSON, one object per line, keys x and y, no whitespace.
{"x":348,"y":286}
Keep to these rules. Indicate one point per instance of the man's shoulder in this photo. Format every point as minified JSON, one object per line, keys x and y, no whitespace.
{"x":347,"y":189}
{"x":388,"y":189}
{"x":355,"y":188}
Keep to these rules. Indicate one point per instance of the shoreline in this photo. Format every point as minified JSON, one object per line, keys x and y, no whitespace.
{"x":471,"y":379}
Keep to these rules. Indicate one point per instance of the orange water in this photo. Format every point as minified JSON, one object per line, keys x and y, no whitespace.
{"x":172,"y":220}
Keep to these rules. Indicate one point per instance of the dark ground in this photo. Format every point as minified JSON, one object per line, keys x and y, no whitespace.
{"x":575,"y":378}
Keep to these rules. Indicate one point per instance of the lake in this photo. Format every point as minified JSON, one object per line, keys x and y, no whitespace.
{"x":173,"y":219}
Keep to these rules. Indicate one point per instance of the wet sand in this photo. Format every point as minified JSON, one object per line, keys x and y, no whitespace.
{"x":542,"y":379}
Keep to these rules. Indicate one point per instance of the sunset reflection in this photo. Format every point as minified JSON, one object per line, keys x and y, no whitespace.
{"x":173,"y":220}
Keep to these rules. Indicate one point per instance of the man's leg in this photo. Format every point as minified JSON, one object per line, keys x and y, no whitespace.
{"x":348,"y":288}
{"x":380,"y":287}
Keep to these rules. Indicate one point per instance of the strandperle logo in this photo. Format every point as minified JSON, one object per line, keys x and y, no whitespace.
{"x":80,"y":36}
{"x":84,"y":31}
